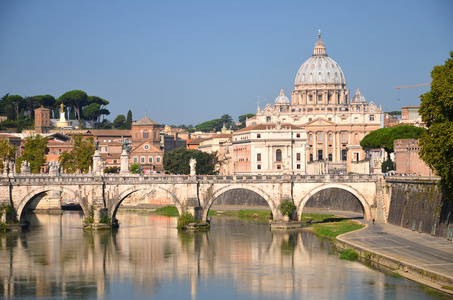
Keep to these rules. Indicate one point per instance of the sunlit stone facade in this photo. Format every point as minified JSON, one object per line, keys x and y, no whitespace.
{"x":334,"y":123}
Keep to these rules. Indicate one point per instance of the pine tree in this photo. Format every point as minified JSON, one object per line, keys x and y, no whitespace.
{"x":129,"y":120}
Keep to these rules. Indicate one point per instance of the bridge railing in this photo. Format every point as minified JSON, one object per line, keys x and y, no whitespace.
{"x":142,"y":179}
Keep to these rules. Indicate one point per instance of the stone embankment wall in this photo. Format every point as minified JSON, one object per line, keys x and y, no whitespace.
{"x":239,"y":197}
{"x":329,"y":199}
{"x":419,"y":205}
{"x":334,"y":199}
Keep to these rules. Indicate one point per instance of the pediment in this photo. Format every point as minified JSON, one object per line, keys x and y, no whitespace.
{"x":320,"y":122}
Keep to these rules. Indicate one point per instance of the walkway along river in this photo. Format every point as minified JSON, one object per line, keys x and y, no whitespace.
{"x":149,"y":258}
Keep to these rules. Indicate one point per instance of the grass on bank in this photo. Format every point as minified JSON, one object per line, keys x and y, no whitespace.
{"x":325,"y":225}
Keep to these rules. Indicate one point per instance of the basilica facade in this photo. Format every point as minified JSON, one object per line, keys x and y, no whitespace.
{"x":318,"y":131}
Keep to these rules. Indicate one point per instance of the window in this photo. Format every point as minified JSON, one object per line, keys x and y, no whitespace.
{"x":320,"y":155}
{"x":136,"y":135}
{"x":278,"y":155}
{"x":356,"y":156}
{"x":311,"y":157}
{"x":330,"y":137}
{"x":146,"y":147}
{"x":358,"y":108}
{"x":258,"y":136}
{"x":298,"y":166}
{"x":343,"y":136}
{"x":356,"y":119}
{"x":258,"y":157}
{"x":158,"y":159}
{"x":142,"y":159}
{"x":319,"y":137}
{"x":150,"y":159}
{"x":297,"y":156}
{"x":371,"y":117}
{"x":330,"y":156}
{"x":145,"y":134}
{"x":298,"y":135}
{"x":258,"y":167}
{"x":310,"y":138}
{"x":279,"y":167}
{"x":135,"y":159}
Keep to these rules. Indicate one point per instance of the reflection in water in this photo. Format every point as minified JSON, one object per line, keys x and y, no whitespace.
{"x":147,"y":257}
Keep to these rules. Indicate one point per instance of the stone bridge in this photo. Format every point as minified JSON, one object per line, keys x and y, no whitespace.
{"x":102,"y":195}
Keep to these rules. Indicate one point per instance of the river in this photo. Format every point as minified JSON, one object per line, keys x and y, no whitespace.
{"x":147,"y":258}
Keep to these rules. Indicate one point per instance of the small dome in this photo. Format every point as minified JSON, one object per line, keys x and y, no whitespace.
{"x":320,"y":69}
{"x":282,"y":99}
{"x":358,"y":98}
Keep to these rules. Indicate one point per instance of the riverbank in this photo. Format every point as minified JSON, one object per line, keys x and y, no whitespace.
{"x":418,"y":257}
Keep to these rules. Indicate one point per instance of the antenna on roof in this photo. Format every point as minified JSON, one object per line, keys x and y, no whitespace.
{"x":259,"y":101}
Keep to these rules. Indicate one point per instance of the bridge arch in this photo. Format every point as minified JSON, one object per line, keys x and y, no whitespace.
{"x":113,"y":208}
{"x":356,"y":193}
{"x":223,"y":189}
{"x":24,"y":201}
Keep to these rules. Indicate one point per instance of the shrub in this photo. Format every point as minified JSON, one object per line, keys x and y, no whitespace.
{"x":184,"y":219}
{"x":349,"y":254}
{"x":287,"y":208}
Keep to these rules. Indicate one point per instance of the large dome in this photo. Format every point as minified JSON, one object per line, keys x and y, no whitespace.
{"x":320,"y":69}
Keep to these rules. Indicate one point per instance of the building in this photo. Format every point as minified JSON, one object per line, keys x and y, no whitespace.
{"x":334,"y":124}
{"x":407,"y":159}
{"x":42,"y":120}
{"x":146,"y":149}
{"x":269,"y":148}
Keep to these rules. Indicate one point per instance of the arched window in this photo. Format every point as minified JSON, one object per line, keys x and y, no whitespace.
{"x":145,"y":134}
{"x":278,"y":155}
{"x":330,"y":156}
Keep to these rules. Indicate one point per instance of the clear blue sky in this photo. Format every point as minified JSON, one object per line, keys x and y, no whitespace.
{"x":185,"y":62}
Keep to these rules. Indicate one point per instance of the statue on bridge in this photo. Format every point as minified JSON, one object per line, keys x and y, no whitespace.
{"x":25,"y":167}
{"x":54,"y":167}
{"x":193,"y":166}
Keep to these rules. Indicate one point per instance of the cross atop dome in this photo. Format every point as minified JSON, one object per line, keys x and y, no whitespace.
{"x":319,"y":46}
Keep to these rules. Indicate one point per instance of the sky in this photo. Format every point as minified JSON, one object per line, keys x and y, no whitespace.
{"x":186,"y":62}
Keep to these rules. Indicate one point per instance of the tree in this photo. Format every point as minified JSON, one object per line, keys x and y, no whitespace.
{"x":120,"y":122}
{"x":7,"y":151}
{"x":244,"y":118}
{"x":177,"y":161}
{"x":129,"y":120}
{"x":384,"y":137}
{"x":80,"y":157}
{"x":436,"y":110}
{"x":34,"y":153}
{"x":17,"y":102}
{"x":76,"y":99}
{"x":91,"y":113}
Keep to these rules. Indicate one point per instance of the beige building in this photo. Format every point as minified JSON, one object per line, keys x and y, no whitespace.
{"x":269,"y":148}
{"x":334,"y":123}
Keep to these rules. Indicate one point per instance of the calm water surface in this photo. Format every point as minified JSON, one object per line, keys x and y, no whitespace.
{"x":147,"y":258}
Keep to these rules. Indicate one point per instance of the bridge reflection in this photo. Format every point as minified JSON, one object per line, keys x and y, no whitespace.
{"x":56,"y":258}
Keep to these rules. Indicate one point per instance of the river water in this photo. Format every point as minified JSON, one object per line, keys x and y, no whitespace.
{"x":147,"y":258}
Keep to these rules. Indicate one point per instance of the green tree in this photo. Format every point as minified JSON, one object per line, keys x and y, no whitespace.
{"x":177,"y":161}
{"x":436,"y":110}
{"x":34,"y":153}
{"x":120,"y":122}
{"x":7,"y":151}
{"x":243,"y":119}
{"x":129,"y":120}
{"x":76,"y":99}
{"x":17,"y":102}
{"x":80,"y":157}
{"x":384,"y":137}
{"x":91,"y":112}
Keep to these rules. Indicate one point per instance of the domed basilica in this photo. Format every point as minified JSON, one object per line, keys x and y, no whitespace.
{"x":318,"y":131}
